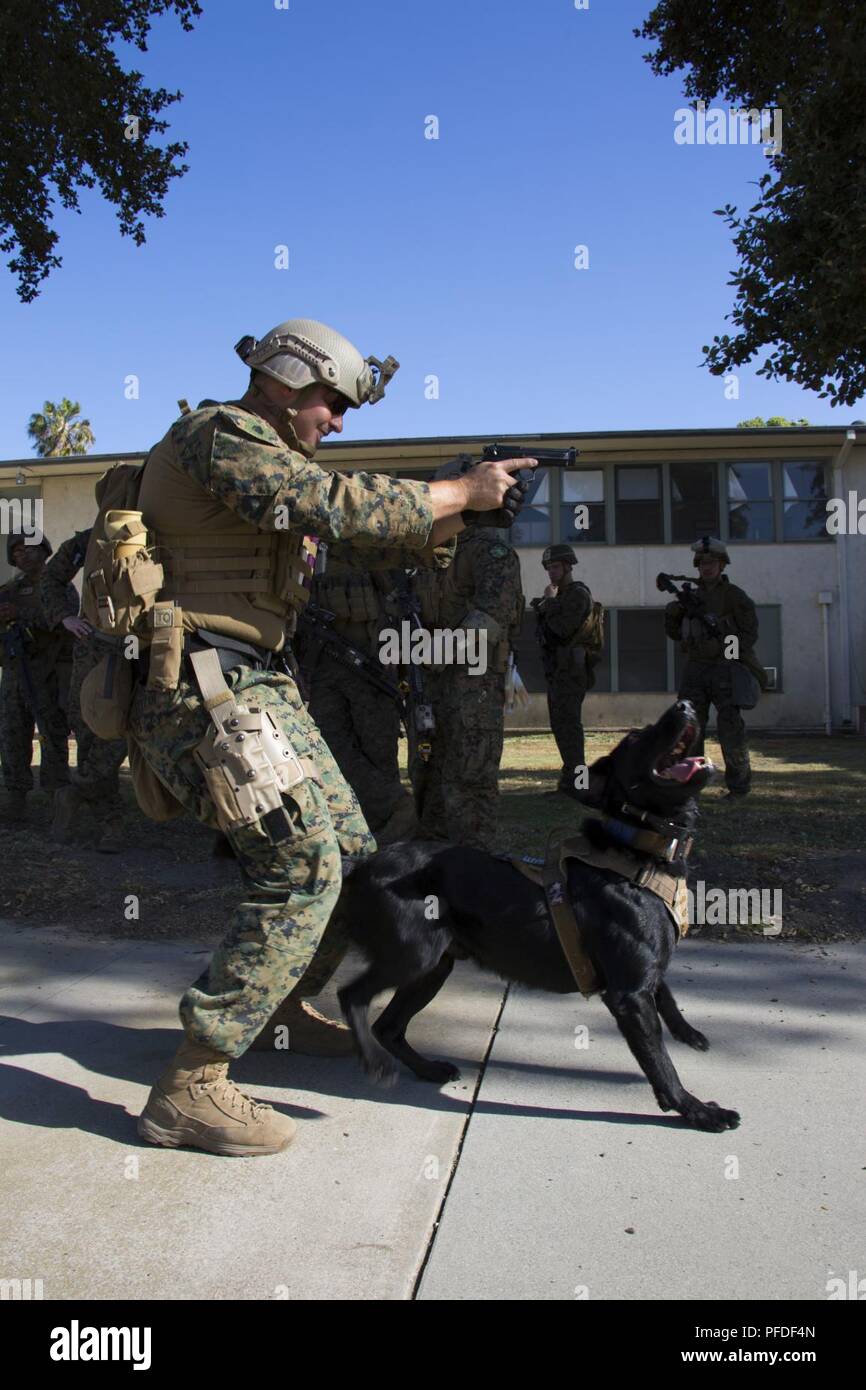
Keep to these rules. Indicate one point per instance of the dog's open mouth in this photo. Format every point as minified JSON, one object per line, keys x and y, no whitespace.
{"x":676,"y":765}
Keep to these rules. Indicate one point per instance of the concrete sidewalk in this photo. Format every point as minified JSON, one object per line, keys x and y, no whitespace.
{"x":572,"y":1184}
{"x":345,"y":1213}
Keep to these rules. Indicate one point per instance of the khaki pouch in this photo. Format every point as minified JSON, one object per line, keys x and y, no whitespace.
{"x":127,"y":578}
{"x":106,"y":696}
{"x":152,"y":795}
{"x":166,"y":646}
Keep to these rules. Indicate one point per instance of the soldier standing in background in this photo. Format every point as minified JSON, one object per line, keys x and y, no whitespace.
{"x":709,"y":677}
{"x":36,"y":653}
{"x":565,"y":621}
{"x":90,"y":806}
{"x":456,"y":791}
{"x":360,"y":723}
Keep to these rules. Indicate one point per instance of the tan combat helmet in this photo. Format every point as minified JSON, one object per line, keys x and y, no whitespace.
{"x":708,"y":545}
{"x":300,"y":352}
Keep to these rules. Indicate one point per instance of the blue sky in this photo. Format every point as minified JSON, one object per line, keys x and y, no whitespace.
{"x":306,"y":129}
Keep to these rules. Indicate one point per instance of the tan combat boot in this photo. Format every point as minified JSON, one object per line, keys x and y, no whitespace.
{"x":194,"y":1103}
{"x":304,"y":1030}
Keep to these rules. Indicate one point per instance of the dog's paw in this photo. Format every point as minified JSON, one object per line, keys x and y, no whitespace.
{"x":707,"y":1115}
{"x":381,"y":1070}
{"x":692,"y":1038}
{"x":439,"y":1072}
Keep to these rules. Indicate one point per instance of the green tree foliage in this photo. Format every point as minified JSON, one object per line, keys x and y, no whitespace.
{"x":57,"y":433}
{"x":67,"y":121}
{"x":801,"y":280}
{"x":758,"y":422}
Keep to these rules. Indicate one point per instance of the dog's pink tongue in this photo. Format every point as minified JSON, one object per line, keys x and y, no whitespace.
{"x":684,"y":771}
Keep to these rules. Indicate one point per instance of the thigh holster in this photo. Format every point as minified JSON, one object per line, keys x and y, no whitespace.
{"x":245,"y":758}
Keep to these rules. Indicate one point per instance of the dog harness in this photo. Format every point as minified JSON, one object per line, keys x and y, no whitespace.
{"x":551,"y":875}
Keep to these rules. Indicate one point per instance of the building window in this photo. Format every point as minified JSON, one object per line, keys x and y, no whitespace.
{"x":532,"y":526}
{"x":694,"y":501}
{"x":584,"y":489}
{"x":768,"y":648}
{"x":639,"y":505}
{"x":641,"y":649}
{"x":750,"y":502}
{"x":804,"y":505}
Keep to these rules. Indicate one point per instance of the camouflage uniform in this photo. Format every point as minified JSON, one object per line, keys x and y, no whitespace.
{"x":457,"y":791}
{"x":47,"y":653}
{"x":99,"y":760}
{"x":706,"y":679}
{"x":565,"y":670}
{"x":229,"y":463}
{"x":360,"y":724}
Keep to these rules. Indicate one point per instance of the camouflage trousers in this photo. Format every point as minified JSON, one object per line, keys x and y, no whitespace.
{"x":361,"y":726}
{"x":99,"y":760}
{"x":21,"y":713}
{"x":708,"y":683}
{"x":457,"y":791}
{"x":277,"y":942}
{"x":566,"y":690}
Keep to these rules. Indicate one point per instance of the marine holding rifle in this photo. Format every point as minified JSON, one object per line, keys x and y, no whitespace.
{"x":232,"y":502}
{"x":570,"y":634}
{"x":36,"y":655}
{"x":718,"y":671}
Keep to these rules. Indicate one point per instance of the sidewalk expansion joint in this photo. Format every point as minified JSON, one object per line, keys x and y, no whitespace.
{"x":434,"y":1230}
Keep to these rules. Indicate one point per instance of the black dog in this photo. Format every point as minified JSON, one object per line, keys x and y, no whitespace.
{"x":416,"y":906}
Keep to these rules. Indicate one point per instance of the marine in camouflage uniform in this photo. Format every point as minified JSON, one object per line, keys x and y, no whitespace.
{"x":94,"y":795}
{"x":708,"y":678}
{"x":35,"y":680}
{"x":360,"y":723}
{"x":561,"y":613}
{"x":228,"y":497}
{"x":457,"y":790}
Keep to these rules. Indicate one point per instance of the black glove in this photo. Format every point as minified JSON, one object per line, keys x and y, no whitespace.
{"x":505,"y":515}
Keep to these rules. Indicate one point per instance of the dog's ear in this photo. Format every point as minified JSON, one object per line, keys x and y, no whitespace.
{"x":599,"y":775}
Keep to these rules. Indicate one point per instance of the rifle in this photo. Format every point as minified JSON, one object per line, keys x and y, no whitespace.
{"x":317,"y":635}
{"x":14,"y":640}
{"x":420,"y":723}
{"x":544,"y":640}
{"x":691,"y":601}
{"x":513,"y":500}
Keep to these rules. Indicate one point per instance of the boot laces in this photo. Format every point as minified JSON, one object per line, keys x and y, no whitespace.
{"x":231,"y":1095}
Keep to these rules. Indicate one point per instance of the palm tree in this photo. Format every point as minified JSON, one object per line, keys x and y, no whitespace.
{"x":57,"y":432}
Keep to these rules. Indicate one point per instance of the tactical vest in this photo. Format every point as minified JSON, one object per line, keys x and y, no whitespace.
{"x":225,"y":574}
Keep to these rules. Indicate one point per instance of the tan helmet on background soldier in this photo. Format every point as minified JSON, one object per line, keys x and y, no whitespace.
{"x":303,"y":352}
{"x":708,"y":545}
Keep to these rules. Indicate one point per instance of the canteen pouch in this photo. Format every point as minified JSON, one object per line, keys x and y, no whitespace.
{"x":127,"y":578}
{"x":106,"y":696}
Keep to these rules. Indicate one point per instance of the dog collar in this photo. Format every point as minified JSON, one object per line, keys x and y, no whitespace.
{"x":665,"y":841}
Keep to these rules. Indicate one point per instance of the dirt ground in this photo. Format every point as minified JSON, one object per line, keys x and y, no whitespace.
{"x":803,"y":831}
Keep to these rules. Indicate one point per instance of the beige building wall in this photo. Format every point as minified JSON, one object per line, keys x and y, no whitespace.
{"x":790,"y":574}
